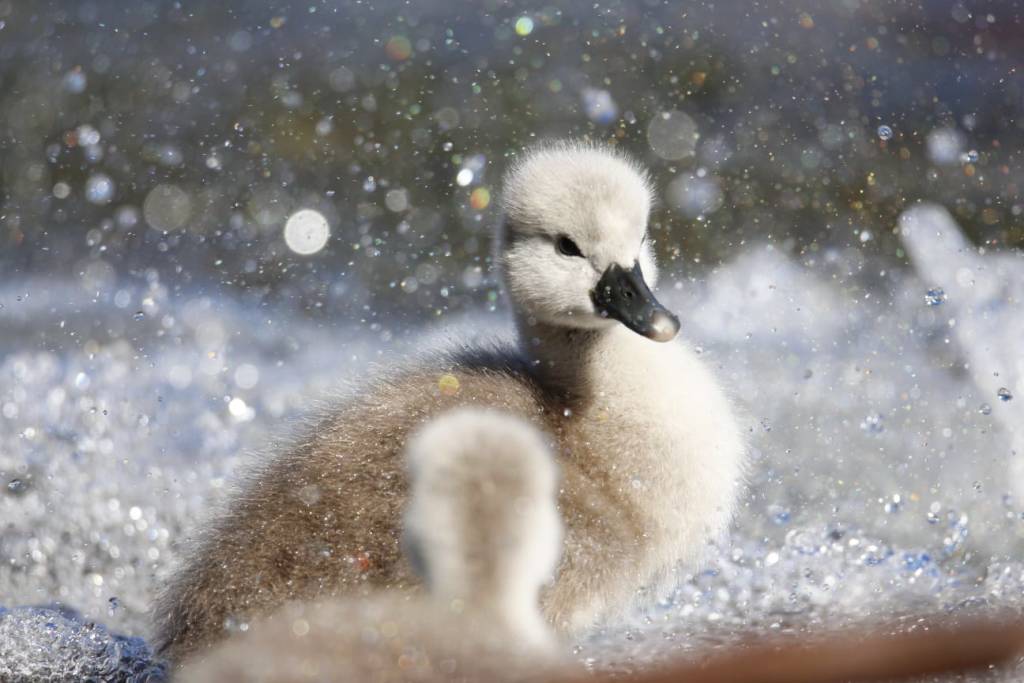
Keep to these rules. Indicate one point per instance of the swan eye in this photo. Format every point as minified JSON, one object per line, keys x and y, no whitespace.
{"x":567,"y":247}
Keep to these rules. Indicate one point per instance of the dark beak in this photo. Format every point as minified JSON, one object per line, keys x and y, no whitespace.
{"x":623,"y":295}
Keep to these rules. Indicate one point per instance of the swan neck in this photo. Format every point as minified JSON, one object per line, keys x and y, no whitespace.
{"x":561,"y":356}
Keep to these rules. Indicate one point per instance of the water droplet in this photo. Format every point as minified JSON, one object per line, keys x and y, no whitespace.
{"x":599,"y":106}
{"x":99,"y":189}
{"x":693,"y":195}
{"x":885,"y":132}
{"x":247,"y":376}
{"x":324,"y":126}
{"x":397,"y":200}
{"x":87,"y":135}
{"x":398,"y":48}
{"x":112,"y":605}
{"x":306,"y":232}
{"x":167,"y":207}
{"x":1004,"y":394}
{"x":17,"y":486}
{"x":969,"y":157}
{"x":985,"y":409}
{"x":672,"y":135}
{"x":75,"y":81}
{"x":139,"y":315}
{"x":944,"y":145}
{"x":240,"y":410}
{"x":934,"y":296}
{"x":872,"y":424}
{"x":342,"y":79}
{"x":448,"y":384}
{"x":781,"y":517}
{"x":803,"y":541}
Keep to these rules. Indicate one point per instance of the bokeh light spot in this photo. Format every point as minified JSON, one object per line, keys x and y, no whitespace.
{"x":306,"y":232}
{"x":672,"y":135}
{"x":448,"y":384}
{"x":167,"y":207}
{"x":480,"y":198}
{"x":398,"y":48}
{"x":99,"y":189}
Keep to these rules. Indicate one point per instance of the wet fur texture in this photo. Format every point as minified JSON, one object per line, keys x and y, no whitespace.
{"x":648,"y":446}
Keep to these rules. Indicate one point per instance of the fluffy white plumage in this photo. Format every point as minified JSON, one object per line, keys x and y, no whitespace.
{"x":651,"y":422}
{"x":482,"y":515}
{"x":594,"y":195}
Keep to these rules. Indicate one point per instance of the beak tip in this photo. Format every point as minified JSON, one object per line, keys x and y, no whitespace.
{"x":664,"y":326}
{"x":623,"y":295}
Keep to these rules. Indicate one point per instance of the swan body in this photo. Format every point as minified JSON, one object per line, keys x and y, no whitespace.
{"x":483,"y":525}
{"x":646,"y":439}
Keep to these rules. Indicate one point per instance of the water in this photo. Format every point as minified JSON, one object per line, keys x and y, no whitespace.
{"x":75,"y":649}
{"x":880,"y":489}
{"x":935,"y":296}
{"x":672,"y":135}
{"x":99,"y":189}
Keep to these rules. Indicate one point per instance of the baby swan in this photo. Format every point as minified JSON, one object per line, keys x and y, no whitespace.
{"x":647,"y":442}
{"x":483,"y":525}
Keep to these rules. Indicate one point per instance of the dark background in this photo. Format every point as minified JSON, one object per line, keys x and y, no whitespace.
{"x":250,"y":111}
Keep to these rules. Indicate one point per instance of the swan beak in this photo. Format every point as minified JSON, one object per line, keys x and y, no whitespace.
{"x":623,"y":295}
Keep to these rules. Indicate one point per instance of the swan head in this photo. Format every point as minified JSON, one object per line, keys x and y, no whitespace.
{"x":573,"y":246}
{"x":482,"y":522}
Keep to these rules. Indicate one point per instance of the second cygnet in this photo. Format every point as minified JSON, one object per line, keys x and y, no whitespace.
{"x":483,"y":529}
